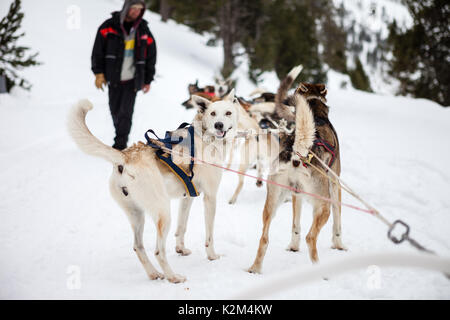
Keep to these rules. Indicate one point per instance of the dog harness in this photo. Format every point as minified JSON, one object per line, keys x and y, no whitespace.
{"x":328,"y":147}
{"x":320,"y":121}
{"x":166,"y":157}
{"x":211,"y":94}
{"x":323,"y":143}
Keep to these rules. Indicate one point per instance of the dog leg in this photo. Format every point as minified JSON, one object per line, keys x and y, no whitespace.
{"x":137,"y":221}
{"x":149,"y":191}
{"x":274,"y":194}
{"x":231,"y":155}
{"x":261,"y":149}
{"x":210,"y":213}
{"x":296,"y":212}
{"x":183,"y":215}
{"x":243,"y":167}
{"x":162,"y":226}
{"x":321,"y":215}
{"x":259,"y":167}
{"x":337,"y":229}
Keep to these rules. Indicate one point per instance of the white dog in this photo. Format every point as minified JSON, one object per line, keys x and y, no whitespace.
{"x":141,"y":183}
{"x":262,"y":148}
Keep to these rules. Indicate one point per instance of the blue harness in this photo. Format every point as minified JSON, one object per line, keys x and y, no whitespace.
{"x":166,"y":157}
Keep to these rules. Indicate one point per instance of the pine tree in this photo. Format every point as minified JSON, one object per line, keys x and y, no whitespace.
{"x":275,"y":34}
{"x":13,"y":57}
{"x":334,"y":41}
{"x":359,"y":78}
{"x":163,"y":7}
{"x":288,"y":38}
{"x":225,"y":20}
{"x":421,"y":53}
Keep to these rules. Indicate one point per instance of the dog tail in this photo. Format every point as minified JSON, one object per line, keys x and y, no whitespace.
{"x":258,"y":91}
{"x":280,"y":108}
{"x":83,"y":137}
{"x":305,"y":129}
{"x":262,"y":107}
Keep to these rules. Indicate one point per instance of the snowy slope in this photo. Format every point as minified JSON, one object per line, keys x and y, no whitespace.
{"x":57,"y":215}
{"x":370,"y":21}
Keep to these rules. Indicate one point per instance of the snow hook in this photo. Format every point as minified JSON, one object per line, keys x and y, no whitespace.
{"x":405,"y":236}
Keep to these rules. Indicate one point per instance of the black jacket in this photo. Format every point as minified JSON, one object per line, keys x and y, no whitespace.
{"x":108,"y":52}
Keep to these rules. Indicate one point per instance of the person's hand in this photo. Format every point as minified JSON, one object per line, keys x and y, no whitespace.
{"x":100,"y":81}
{"x":146,"y":88}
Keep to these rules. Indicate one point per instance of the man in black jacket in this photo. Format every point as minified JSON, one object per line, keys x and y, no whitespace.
{"x":124,"y":58}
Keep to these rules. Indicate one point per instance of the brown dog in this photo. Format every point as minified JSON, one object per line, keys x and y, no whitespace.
{"x":313,"y":131}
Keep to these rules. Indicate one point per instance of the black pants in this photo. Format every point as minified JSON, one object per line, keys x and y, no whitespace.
{"x":121,"y":103}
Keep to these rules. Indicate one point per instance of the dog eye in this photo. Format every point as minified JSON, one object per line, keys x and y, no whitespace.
{"x":213,"y":114}
{"x":228,"y":113}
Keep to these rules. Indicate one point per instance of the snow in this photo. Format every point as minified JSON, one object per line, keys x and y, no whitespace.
{"x":58,"y":219}
{"x":373,"y":18}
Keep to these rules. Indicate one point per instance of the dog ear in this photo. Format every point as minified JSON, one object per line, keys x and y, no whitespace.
{"x":302,"y":88}
{"x":322,"y":89}
{"x":200,"y":103}
{"x":230,"y":96}
{"x":192,"y":88}
{"x":187,"y":104}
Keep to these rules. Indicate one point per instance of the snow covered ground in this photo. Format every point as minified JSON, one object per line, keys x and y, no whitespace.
{"x":58,"y":220}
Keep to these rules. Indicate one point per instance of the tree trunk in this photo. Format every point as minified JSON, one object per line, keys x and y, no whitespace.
{"x":165,"y":10}
{"x":228,"y":57}
{"x":2,"y":84}
{"x":228,"y":27}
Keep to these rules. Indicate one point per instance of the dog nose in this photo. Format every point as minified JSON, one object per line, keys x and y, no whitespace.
{"x":218,"y":125}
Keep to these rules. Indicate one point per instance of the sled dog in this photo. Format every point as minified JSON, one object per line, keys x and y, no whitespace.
{"x":222,"y":86}
{"x":217,"y":91}
{"x":263,"y":148}
{"x":314,"y":131}
{"x":141,"y":184}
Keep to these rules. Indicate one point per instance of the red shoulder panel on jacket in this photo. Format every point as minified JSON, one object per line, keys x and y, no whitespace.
{"x":146,"y":37}
{"x":105,"y":31}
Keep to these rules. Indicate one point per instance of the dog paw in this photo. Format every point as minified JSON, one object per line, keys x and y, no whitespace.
{"x":155,"y":276}
{"x":340,"y":247}
{"x":232,"y":201}
{"x":183,"y":251}
{"x":176,"y":278}
{"x":214,"y":256}
{"x":254,"y":269}
{"x":293,"y":248}
{"x":337,"y":243}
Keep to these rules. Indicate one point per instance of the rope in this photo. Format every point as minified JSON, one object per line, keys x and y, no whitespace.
{"x":351,"y":192}
{"x":344,"y":186}
{"x":315,"y":273}
{"x":276,"y":184}
{"x":391,"y":226}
